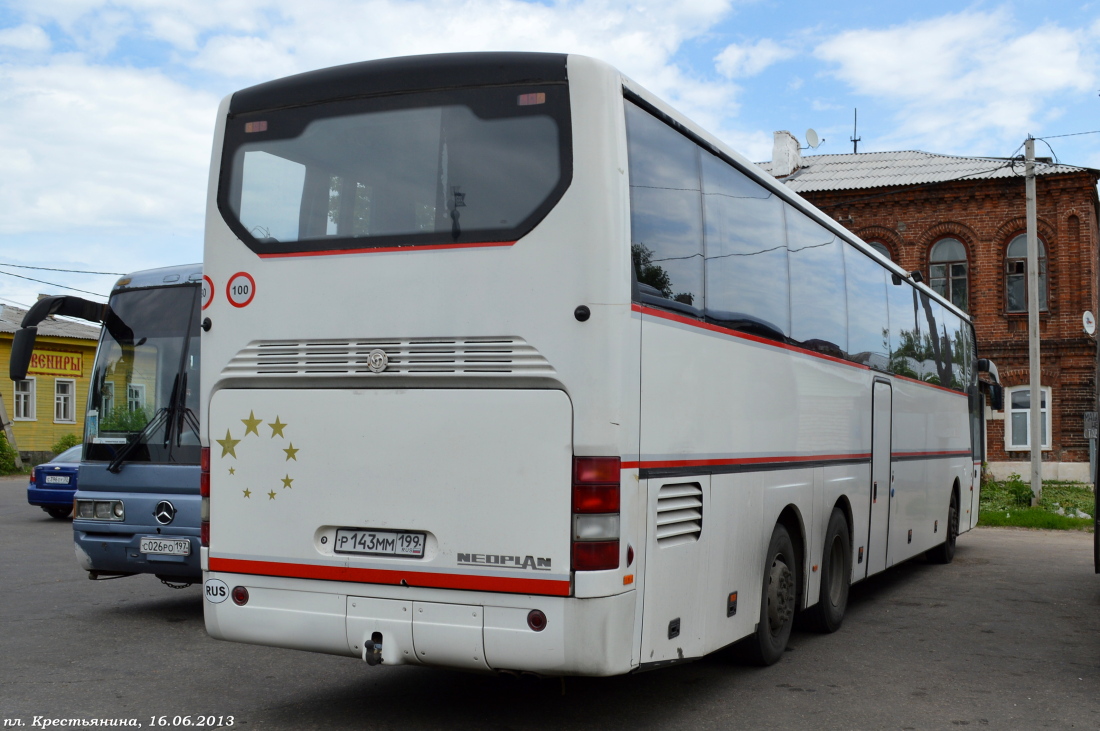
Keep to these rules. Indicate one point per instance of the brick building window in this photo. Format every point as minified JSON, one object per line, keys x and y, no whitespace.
{"x":1018,"y":418}
{"x":880,"y":248}
{"x":947,"y":271}
{"x":1016,"y":275}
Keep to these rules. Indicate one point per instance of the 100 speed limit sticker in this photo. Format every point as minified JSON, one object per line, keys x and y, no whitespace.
{"x":240,"y":289}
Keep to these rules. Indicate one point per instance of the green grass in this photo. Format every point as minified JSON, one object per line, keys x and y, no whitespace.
{"x":1008,"y":503}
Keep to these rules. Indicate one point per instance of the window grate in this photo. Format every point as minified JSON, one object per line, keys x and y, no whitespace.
{"x":679,"y":514}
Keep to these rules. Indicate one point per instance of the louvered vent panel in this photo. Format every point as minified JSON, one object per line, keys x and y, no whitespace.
{"x":423,"y":357}
{"x":679,"y":514}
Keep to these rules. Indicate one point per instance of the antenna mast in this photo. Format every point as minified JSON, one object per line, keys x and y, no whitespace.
{"x":855,"y":128}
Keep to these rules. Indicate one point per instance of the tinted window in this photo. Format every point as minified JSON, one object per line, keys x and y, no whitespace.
{"x":906,"y":328}
{"x":819,"y":310}
{"x":868,"y":326}
{"x":746,"y":252}
{"x":666,"y":226}
{"x":464,"y":165}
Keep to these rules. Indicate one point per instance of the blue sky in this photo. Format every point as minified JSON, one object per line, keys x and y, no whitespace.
{"x":108,"y":107}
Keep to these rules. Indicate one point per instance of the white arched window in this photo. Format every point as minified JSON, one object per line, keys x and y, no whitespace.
{"x":1016,"y":275}
{"x":947,"y":271}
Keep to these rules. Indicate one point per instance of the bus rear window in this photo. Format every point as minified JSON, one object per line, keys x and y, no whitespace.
{"x":445,"y":167}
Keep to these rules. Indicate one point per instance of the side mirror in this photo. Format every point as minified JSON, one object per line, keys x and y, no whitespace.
{"x":22,"y":345}
{"x":997,"y":396}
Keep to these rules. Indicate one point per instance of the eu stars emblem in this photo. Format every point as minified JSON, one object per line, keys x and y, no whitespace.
{"x":256,"y":458}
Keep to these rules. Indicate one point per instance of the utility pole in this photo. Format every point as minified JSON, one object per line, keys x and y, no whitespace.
{"x":1033,"y":326}
{"x":855,"y":131}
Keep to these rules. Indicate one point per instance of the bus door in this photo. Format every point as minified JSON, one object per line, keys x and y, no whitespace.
{"x":882,"y":476}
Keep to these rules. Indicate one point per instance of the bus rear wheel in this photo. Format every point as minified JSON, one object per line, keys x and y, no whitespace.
{"x":945,"y":552}
{"x":777,"y":600}
{"x":836,"y":577}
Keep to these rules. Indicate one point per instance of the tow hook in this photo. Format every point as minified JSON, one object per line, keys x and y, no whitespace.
{"x":372,"y":649}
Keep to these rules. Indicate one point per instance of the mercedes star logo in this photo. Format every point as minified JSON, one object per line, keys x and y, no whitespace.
{"x":164,"y":512}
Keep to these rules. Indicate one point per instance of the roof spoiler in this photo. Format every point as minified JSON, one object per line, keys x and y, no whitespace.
{"x":22,"y":345}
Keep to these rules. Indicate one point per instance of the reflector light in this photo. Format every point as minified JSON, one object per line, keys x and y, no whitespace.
{"x":536,"y":620}
{"x":204,"y":484}
{"x":596,"y":470}
{"x":240,"y":596}
{"x":526,"y":100}
{"x":595,"y":555}
{"x":204,"y":459}
{"x":204,"y":533}
{"x":250,"y":127}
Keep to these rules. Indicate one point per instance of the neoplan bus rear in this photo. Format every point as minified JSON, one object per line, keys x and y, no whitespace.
{"x":511,"y":367}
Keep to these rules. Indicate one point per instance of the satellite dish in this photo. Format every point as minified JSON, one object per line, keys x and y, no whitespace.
{"x":812,"y":139}
{"x":1089,"y":321}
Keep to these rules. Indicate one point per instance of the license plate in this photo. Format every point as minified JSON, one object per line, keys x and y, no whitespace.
{"x":57,"y":479}
{"x":166,"y":546}
{"x":380,"y":542}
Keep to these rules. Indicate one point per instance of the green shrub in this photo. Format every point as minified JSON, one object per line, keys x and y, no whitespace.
{"x":7,"y":456}
{"x":66,"y":441}
{"x":1019,"y":490}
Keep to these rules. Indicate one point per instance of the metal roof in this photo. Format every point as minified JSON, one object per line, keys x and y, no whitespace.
{"x":911,"y":167}
{"x":11,"y":318}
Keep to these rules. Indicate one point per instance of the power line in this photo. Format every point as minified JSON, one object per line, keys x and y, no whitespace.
{"x":54,"y":284}
{"x":70,"y":271}
{"x":1071,"y":134}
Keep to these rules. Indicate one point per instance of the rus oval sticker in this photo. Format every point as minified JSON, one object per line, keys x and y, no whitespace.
{"x":216,"y":591}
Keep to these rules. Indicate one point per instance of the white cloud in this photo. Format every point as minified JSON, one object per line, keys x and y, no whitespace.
{"x":25,"y":38}
{"x":91,"y":147}
{"x":739,"y":61}
{"x":959,"y":78}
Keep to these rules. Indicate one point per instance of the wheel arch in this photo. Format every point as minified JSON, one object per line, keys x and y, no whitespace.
{"x":791,"y":519}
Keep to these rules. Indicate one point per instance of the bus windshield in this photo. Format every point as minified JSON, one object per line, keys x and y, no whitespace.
{"x":430,"y":168}
{"x":144,"y":403}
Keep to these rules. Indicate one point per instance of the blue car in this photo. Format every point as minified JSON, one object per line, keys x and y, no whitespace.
{"x":52,"y":484}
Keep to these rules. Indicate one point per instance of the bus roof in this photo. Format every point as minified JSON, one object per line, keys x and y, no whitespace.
{"x":162,"y":277}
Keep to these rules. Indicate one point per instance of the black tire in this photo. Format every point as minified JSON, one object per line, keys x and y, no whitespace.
{"x":836,"y":577}
{"x":945,"y":552}
{"x":778,"y":600}
{"x":59,"y":513}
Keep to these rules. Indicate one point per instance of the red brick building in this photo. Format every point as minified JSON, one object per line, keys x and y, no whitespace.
{"x":961,"y":222}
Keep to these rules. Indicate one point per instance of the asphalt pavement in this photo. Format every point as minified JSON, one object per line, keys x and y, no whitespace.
{"x":1007,"y":636}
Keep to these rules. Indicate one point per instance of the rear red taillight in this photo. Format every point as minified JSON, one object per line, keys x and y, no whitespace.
{"x":595,"y":555}
{"x":204,"y":472}
{"x":204,"y":493}
{"x":596,"y":503}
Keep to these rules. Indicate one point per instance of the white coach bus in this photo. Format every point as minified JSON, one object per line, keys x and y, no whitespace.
{"x":509,"y":366}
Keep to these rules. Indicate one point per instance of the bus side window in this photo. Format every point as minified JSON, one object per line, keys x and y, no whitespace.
{"x":747,"y":280}
{"x":906,"y":325}
{"x":868,"y":325}
{"x":666,"y":227}
{"x":819,"y":310}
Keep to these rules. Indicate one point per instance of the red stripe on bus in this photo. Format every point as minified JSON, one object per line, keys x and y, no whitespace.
{"x":744,"y":336}
{"x":387,"y":249}
{"x":951,"y":453}
{"x":659,"y":464}
{"x":394,"y":577}
{"x":764,"y":341}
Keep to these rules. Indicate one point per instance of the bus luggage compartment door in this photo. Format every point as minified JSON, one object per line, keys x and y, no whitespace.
{"x":436,"y":488}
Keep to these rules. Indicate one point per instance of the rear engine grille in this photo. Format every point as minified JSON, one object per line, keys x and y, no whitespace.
{"x":679,"y":514}
{"x":415,"y":357}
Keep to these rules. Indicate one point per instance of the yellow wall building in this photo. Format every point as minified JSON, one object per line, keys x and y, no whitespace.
{"x":52,"y":401}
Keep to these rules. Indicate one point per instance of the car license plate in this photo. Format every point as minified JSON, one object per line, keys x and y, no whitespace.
{"x":166,"y":546}
{"x":380,"y":542}
{"x":57,"y":479}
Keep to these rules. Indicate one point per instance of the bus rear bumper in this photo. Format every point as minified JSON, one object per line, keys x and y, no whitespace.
{"x":121,"y":553}
{"x":467,"y":630}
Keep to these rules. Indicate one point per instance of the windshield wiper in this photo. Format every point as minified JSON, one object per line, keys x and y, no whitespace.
{"x":184,"y":414}
{"x":159,"y":418}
